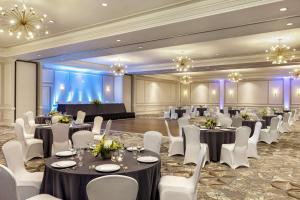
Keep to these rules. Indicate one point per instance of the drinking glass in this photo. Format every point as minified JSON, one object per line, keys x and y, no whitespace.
{"x":114,"y":156}
{"x":134,"y":152}
{"x":139,"y":148}
{"x":80,"y":157}
{"x":73,"y":151}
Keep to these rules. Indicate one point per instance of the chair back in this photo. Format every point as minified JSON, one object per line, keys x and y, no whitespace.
{"x":97,"y":125}
{"x":237,"y":122}
{"x":168,"y":129}
{"x":19,"y":130}
{"x":225,"y":110}
{"x":21,"y":122}
{"x":225,"y":122}
{"x":82,"y":139}
{"x":112,"y":187}
{"x":107,"y":128}
{"x":256,"y":133}
{"x":242,"y":136}
{"x":196,"y":175}
{"x":55,"y":119}
{"x":13,"y":155}
{"x":30,"y":118}
{"x":152,"y":141}
{"x":274,"y":123}
{"x":183,"y":121}
{"x":80,"y":117}
{"x":286,"y":117}
{"x":60,"y":134}
{"x":8,"y":189}
{"x":192,"y":135}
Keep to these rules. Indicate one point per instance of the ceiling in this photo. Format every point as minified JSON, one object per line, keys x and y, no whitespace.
{"x":74,"y":15}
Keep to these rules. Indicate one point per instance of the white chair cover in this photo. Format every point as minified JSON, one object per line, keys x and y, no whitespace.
{"x":106,"y":131}
{"x":55,"y":119}
{"x":80,"y":117}
{"x":11,"y":190}
{"x":285,"y":126}
{"x":167,"y":113}
{"x":31,"y":147}
{"x":235,"y":155}
{"x":175,"y":143}
{"x":181,"y":123}
{"x":60,"y":133}
{"x":82,"y":139}
{"x":21,"y":122}
{"x":252,"y":142}
{"x":174,"y":115}
{"x":193,"y":145}
{"x":181,"y":188}
{"x":112,"y":187}
{"x":30,"y":121}
{"x":152,"y":141}
{"x":97,"y":125}
{"x":270,"y":135}
{"x":237,"y":122}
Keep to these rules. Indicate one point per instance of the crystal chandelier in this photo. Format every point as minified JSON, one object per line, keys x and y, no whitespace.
{"x":118,"y":69}
{"x":280,"y":53}
{"x":183,"y":63}
{"x":235,"y":77}
{"x":186,"y":79}
{"x":24,"y":22}
{"x":295,"y":74}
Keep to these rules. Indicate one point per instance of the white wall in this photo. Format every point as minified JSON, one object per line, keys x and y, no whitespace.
{"x":154,"y":95}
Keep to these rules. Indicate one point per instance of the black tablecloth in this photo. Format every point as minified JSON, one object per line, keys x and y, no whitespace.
{"x":214,"y":138}
{"x":268,"y":119}
{"x":180,"y":112}
{"x":45,"y":133}
{"x":233,"y":112}
{"x":201,"y":111}
{"x":70,"y":184}
{"x":251,"y":124}
{"x":42,"y":119}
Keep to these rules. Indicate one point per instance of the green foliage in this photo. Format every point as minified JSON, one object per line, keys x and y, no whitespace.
{"x":96,"y":102}
{"x":53,"y":113}
{"x":245,"y":116}
{"x":210,"y":123}
{"x":104,"y":147}
{"x":65,"y":120}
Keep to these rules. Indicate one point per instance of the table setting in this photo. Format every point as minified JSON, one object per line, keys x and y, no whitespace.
{"x":67,"y":173}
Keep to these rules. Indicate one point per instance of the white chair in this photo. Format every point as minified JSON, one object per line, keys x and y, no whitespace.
{"x":80,"y":117}
{"x":181,"y":123}
{"x":106,"y":131}
{"x":270,"y":135}
{"x":55,"y":119}
{"x":97,"y":125}
{"x":31,"y":147}
{"x":167,"y":114}
{"x":21,"y":122}
{"x":193,"y":145}
{"x":112,"y":187}
{"x":237,"y":122}
{"x":285,"y":126}
{"x":174,"y":115}
{"x":175,"y":143}
{"x":82,"y":139}
{"x":60,"y":134}
{"x":225,"y":122}
{"x":235,"y":154}
{"x":30,"y":121}
{"x":12,"y":190}
{"x":31,"y":182}
{"x":225,"y":111}
{"x":252,"y":142}
{"x":181,"y":188}
{"x":152,"y":141}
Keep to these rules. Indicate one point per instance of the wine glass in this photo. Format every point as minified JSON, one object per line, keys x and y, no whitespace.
{"x":73,"y":151}
{"x":80,"y":157}
{"x":134,"y":152}
{"x":114,"y":156}
{"x":139,"y":148}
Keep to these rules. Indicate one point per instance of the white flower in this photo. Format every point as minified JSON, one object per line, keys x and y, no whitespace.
{"x":107,"y":143}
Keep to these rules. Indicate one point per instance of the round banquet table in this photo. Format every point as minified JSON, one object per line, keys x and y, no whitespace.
{"x":251,"y":124}
{"x":268,"y":118}
{"x":180,"y":112}
{"x":70,"y":183}
{"x":214,"y":138}
{"x":42,"y":119}
{"x":44,"y":133}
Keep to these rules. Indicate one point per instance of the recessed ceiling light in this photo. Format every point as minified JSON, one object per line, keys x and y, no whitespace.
{"x":289,"y":24}
{"x":39,"y":55}
{"x":104,"y":4}
{"x":118,"y":40}
{"x":283,"y":9}
{"x":140,"y":47}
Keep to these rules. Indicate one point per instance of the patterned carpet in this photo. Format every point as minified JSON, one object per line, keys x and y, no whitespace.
{"x":275,"y":175}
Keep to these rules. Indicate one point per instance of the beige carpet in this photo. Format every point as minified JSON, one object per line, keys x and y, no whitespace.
{"x":275,"y":175}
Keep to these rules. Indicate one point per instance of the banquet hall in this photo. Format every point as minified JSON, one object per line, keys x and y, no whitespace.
{"x":149,"y":100}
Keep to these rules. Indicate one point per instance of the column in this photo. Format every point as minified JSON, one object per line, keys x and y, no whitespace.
{"x":222,"y":94}
{"x":287,"y":93}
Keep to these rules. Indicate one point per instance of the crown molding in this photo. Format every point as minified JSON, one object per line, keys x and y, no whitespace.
{"x":187,"y":12}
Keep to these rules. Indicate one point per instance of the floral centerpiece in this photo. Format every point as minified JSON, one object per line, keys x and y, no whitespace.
{"x":96,"y":102}
{"x":210,"y":123}
{"x":64,"y":120}
{"x":264,"y":112}
{"x":245,"y":116}
{"x":105,"y":148}
{"x":53,"y":113}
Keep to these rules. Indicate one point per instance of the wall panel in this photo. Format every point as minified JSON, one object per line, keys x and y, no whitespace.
{"x":253,"y":93}
{"x":295,"y":92}
{"x":275,"y":92}
{"x":199,"y":93}
{"x":213,"y":93}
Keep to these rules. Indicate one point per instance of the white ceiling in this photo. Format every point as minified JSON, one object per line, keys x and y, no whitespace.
{"x":73,"y":15}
